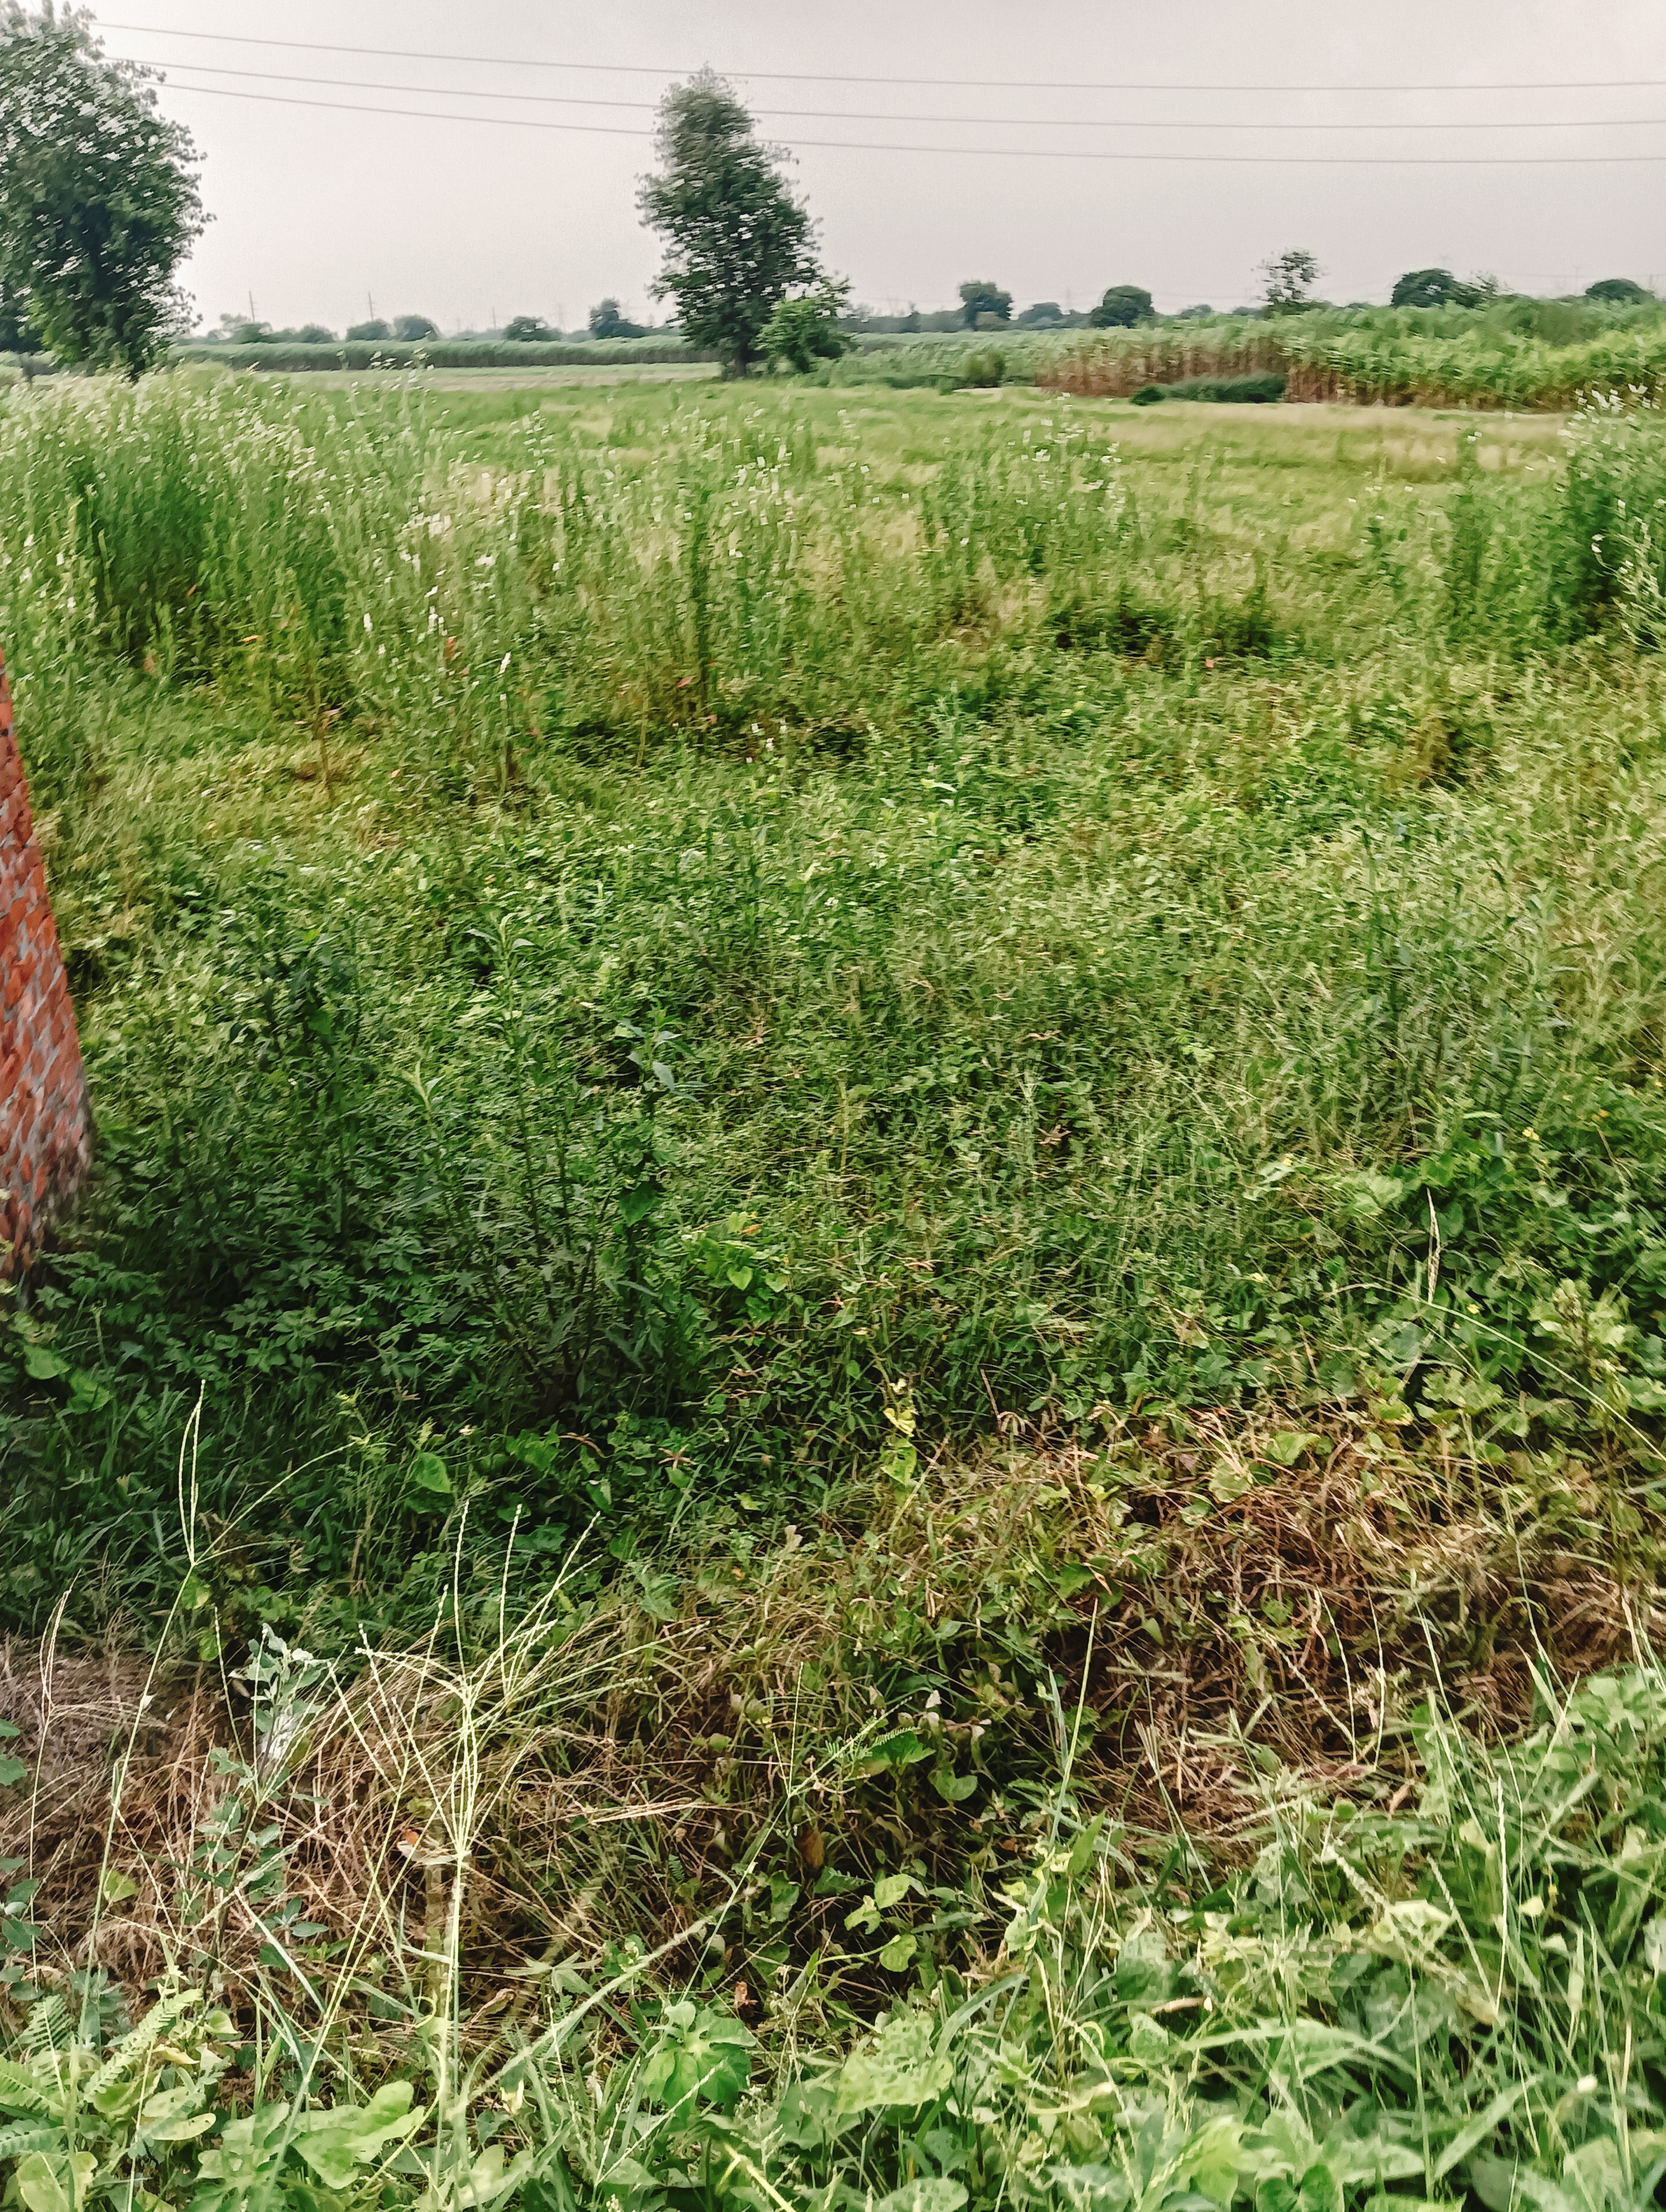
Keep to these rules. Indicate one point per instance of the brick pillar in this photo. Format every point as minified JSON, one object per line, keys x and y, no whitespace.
{"x":45,"y":1129}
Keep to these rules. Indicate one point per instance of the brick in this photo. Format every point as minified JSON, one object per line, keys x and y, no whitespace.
{"x":45,"y":1125}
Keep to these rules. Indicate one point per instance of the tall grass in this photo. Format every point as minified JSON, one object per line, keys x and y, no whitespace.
{"x":1489,"y":358}
{"x":656,"y":934}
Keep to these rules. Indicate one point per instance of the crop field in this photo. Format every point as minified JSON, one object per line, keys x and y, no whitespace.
{"x":862,"y":1403}
{"x":1547,"y":355}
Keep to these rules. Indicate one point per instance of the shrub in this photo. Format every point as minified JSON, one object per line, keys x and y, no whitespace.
{"x":981,"y":371}
{"x":411,"y":328}
{"x":529,"y":330}
{"x":369,"y":333}
{"x":801,"y":332}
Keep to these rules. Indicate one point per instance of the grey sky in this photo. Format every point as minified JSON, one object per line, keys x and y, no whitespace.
{"x":317,"y":213}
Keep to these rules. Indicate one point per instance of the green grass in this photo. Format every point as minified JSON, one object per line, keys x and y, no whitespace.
{"x":661,"y":923}
{"x":877,"y":1263}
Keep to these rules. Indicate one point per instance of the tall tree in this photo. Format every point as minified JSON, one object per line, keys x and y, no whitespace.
{"x":1290,"y":278}
{"x":736,"y":242}
{"x":98,"y":193}
{"x":1120,"y":309}
{"x":981,"y":297}
{"x":1432,"y":288}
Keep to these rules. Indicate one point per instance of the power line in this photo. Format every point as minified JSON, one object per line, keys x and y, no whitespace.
{"x":847,"y":115}
{"x":1044,"y":153}
{"x":807,"y":77}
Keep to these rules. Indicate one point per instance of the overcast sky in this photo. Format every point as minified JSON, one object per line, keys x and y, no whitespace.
{"x":472,"y":222}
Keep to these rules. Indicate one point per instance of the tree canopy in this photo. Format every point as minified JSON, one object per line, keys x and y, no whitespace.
{"x":1617,"y":291}
{"x":1432,"y":287}
{"x":98,"y":200}
{"x":1121,"y":306}
{"x":981,"y":297}
{"x":737,"y":243}
{"x":1290,"y":277}
{"x":607,"y":322}
{"x":803,"y":331}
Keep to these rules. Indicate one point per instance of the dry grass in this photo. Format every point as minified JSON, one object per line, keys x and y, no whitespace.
{"x":600,"y":1771}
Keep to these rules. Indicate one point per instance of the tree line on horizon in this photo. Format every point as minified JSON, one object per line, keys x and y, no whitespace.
{"x":99,"y":203}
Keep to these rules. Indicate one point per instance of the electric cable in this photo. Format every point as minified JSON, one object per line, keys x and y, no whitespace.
{"x":810,"y":76}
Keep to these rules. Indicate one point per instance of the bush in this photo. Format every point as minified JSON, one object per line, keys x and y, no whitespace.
{"x":368,"y":333}
{"x":1246,"y":391}
{"x":529,"y":330}
{"x":803,"y":332}
{"x":413,"y":328}
{"x":981,"y":371}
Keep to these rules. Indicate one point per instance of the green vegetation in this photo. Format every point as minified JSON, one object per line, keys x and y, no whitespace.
{"x":805,"y":329}
{"x":736,"y":242}
{"x":1121,"y":307}
{"x":1545,"y":354}
{"x":99,"y":202}
{"x":513,"y":350}
{"x":862,"y":1399}
{"x":978,"y":298}
{"x":1249,"y":391}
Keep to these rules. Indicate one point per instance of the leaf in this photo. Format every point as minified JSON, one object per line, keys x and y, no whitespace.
{"x":903,"y":1749}
{"x":636,"y":1204}
{"x":48,"y":2184}
{"x":707,"y":2059}
{"x":898,"y":1951}
{"x":1149,"y":2041}
{"x":19,"y":2091}
{"x":1654,"y":1945}
{"x":332,"y":2142}
{"x":924,"y":2194}
{"x":1367,"y":1194}
{"x":890,"y":1889}
{"x":903,"y":2067}
{"x":116,"y":1887}
{"x":185,"y":2129}
{"x":428,"y":1472}
{"x":25,"y":2135}
{"x":1285,"y":1446}
{"x":490,"y":2178}
{"x":43,"y":1366}
{"x":956,"y":1788}
{"x":11,"y":1770}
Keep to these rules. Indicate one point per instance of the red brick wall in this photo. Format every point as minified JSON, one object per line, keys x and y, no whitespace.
{"x":45,"y":1125}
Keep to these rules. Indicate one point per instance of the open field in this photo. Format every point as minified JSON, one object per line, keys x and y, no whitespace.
{"x":876,"y":1300}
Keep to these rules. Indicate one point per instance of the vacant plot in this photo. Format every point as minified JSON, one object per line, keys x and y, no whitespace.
{"x":875,"y":1301}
